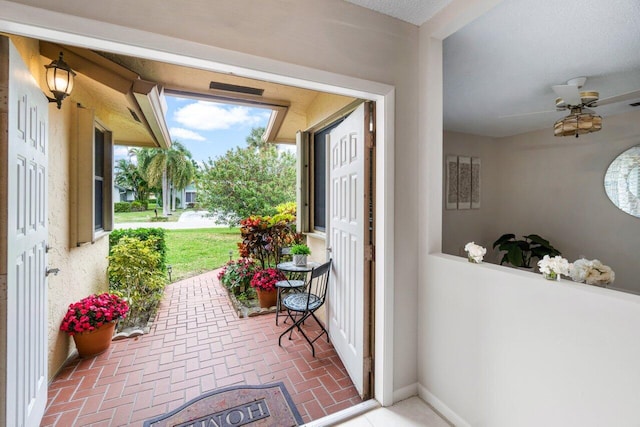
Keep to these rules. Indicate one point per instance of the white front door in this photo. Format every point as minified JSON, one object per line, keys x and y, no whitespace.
{"x":26,"y":247}
{"x":346,"y":239}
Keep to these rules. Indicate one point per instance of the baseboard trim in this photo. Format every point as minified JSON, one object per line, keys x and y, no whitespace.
{"x":405,"y":392}
{"x":67,"y":361}
{"x":443,"y":409}
{"x":345,"y":414}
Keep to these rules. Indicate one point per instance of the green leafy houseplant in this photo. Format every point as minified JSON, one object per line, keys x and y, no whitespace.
{"x":519,"y":253}
{"x":300,"y":252}
{"x":300,"y":249}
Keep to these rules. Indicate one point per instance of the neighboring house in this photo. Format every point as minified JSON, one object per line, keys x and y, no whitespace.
{"x":121,"y":194}
{"x":187,"y":196}
{"x":483,"y":344}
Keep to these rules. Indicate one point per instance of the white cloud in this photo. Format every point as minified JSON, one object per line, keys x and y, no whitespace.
{"x":120,"y":151}
{"x":180,"y":133}
{"x":203,"y":115}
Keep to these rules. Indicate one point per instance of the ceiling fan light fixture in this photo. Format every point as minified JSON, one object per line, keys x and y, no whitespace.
{"x":577,"y":123}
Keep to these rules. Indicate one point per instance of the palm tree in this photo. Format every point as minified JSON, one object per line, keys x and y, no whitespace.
{"x":128,"y":176}
{"x":167,"y":168}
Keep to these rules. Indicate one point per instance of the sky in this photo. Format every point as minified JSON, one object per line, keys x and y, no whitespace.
{"x":208,"y":129}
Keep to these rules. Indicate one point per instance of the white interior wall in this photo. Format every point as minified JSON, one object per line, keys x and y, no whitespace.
{"x":360,"y":44}
{"x":502,"y":347}
{"x":473,"y":225}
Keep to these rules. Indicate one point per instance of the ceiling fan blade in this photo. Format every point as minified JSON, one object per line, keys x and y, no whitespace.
{"x":569,"y":93}
{"x":619,"y":98}
{"x":510,"y":116}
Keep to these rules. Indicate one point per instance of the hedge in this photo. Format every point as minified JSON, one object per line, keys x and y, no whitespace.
{"x":122,"y":207}
{"x":138,"y":206}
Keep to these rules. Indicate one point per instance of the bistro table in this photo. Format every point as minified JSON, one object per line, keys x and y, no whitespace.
{"x":295,"y":279}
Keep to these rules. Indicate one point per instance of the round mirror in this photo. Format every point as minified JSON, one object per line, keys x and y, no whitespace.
{"x":622,"y":181}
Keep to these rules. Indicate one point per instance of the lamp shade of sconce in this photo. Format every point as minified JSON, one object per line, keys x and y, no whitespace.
{"x":59,"y":80}
{"x":577,"y":123}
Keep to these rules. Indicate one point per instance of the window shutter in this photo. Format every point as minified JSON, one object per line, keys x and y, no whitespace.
{"x":302,"y":182}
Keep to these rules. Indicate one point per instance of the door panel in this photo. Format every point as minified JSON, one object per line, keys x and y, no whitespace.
{"x":346,"y":239}
{"x":26,"y":387}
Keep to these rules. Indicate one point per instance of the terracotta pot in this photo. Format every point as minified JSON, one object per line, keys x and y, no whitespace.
{"x":92,"y":343}
{"x":267,"y":298}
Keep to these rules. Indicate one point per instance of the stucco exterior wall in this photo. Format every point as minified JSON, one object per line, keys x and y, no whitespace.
{"x":82,"y":269}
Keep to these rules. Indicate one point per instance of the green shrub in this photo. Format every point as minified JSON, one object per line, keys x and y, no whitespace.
{"x":122,"y":207}
{"x":138,"y":206}
{"x":135,"y":274}
{"x":159,"y":219}
{"x":143,"y":234}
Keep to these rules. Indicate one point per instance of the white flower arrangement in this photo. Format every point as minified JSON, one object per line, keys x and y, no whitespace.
{"x":592,"y":272}
{"x":475,"y":253}
{"x":552,"y":268}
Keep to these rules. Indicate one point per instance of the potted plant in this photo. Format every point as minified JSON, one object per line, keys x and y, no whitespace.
{"x":519,"y":253}
{"x":264,"y":282}
{"x":300,"y":253}
{"x":92,"y":320}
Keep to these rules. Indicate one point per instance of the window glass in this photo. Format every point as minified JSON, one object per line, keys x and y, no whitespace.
{"x":98,"y":180}
{"x":319,"y":181}
{"x":320,"y":176}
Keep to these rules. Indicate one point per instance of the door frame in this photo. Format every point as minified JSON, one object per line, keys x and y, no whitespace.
{"x":36,"y":23}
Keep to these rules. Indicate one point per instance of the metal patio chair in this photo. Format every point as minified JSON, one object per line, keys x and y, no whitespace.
{"x":301,"y":306}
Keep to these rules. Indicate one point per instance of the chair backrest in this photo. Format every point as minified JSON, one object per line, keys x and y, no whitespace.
{"x":319,"y":281}
{"x":283,"y":253}
{"x":285,"y":250}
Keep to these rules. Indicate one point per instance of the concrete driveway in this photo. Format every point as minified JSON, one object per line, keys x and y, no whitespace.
{"x":188,"y":219}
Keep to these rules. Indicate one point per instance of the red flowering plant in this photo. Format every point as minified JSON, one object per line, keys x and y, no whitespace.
{"x":266,"y":279}
{"x":91,"y":312}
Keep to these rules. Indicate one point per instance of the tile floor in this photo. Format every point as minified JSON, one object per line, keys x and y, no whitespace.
{"x":196,"y":344}
{"x":412,"y":412}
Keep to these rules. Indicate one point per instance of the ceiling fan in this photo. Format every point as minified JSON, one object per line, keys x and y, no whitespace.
{"x":581,"y":118}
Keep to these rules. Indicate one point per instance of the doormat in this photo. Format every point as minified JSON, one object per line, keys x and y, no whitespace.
{"x":254,"y":405}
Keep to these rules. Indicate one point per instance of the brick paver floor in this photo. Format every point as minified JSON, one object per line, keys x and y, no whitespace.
{"x":196,"y":344}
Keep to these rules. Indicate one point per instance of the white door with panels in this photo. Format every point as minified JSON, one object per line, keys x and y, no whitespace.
{"x":26,"y":387}
{"x":346,"y":237}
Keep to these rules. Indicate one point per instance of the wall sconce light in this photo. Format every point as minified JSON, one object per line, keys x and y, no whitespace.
{"x":59,"y":80}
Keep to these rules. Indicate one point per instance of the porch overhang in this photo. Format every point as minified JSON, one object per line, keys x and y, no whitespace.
{"x":133,"y":108}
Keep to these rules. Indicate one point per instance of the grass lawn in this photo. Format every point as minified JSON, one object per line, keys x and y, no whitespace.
{"x":191,"y":252}
{"x":144,"y":216}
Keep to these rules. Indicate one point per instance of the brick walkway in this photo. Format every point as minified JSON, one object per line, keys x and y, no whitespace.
{"x":197,"y":344}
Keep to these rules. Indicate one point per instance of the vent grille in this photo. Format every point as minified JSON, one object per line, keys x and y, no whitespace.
{"x":134,"y":115}
{"x":235,"y":88}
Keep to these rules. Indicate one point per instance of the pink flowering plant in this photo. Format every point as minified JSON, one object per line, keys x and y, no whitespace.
{"x":91,"y":312}
{"x":266,"y":279}
{"x":237,"y":274}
